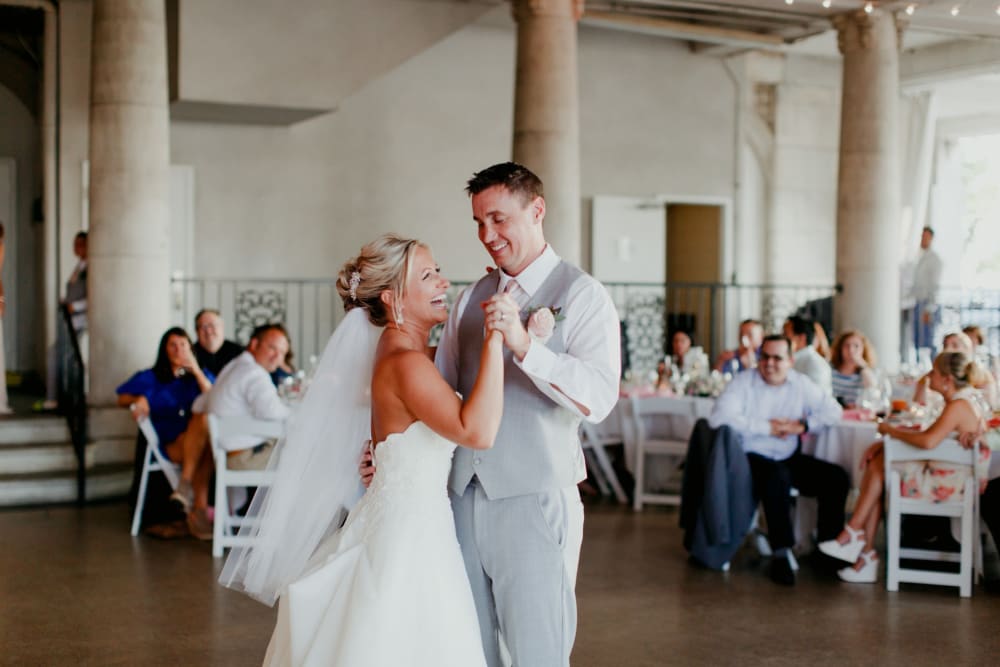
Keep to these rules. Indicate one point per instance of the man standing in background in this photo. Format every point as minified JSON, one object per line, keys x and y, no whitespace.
{"x":924,"y":291}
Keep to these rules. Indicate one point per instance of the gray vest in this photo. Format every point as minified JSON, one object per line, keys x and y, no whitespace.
{"x":538,"y":445}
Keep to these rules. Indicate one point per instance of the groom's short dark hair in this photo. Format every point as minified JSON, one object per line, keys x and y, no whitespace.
{"x":517,"y":178}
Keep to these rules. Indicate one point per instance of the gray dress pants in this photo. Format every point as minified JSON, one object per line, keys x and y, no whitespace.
{"x":521,"y":555}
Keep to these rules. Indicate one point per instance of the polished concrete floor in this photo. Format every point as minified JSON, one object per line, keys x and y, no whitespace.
{"x":76,"y":589}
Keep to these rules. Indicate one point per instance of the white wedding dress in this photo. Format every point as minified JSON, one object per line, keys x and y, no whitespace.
{"x":389,"y":589}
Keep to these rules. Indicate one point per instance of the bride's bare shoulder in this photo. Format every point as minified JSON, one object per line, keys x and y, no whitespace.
{"x":401,"y":360}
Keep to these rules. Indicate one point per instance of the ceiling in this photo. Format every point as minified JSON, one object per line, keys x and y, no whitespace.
{"x":724,"y":27}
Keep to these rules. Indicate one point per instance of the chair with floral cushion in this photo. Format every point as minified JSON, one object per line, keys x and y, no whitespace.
{"x":942,"y":499}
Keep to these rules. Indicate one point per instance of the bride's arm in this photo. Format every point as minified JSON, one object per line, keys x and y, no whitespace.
{"x":471,"y":423}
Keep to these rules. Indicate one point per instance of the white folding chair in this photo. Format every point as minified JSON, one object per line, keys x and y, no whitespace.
{"x":153,"y":460}
{"x":966,"y":509}
{"x":226,"y":523}
{"x":643,"y":408}
{"x":592,"y":441}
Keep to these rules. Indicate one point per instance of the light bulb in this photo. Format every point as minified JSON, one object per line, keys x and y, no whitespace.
{"x":788,"y":2}
{"x":869,"y":7}
{"x":910,"y":9}
{"x":954,"y":10}
{"x":827,"y":3}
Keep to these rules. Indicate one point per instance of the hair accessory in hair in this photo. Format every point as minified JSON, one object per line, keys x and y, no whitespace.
{"x":355,"y":281}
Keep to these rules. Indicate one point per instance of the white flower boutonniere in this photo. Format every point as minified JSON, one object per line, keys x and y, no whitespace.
{"x":542,"y":322}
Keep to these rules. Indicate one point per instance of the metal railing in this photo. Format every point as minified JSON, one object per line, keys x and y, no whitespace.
{"x":964,"y":307}
{"x":309,"y":308}
{"x":73,"y":396}
{"x":709,"y":312}
{"x":650,"y":312}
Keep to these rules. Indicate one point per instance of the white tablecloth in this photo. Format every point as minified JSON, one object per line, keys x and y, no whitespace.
{"x":843,"y":443}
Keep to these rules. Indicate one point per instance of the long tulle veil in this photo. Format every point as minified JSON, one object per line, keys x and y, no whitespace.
{"x":316,"y":467}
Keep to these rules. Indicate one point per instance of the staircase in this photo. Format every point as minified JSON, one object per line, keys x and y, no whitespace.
{"x":38,"y":465}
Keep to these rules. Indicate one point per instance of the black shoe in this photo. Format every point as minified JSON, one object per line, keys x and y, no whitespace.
{"x":781,"y":571}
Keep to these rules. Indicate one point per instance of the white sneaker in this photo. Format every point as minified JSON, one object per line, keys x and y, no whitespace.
{"x":868,"y":574}
{"x":847,"y":552}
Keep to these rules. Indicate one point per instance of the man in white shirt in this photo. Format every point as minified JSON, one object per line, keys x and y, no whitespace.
{"x":770,"y":408}
{"x":243,"y":388}
{"x":923,"y":292}
{"x":801,"y":331}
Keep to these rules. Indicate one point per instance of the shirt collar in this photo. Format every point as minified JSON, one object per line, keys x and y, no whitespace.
{"x":532,"y":277}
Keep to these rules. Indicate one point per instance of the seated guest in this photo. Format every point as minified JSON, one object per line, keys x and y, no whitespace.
{"x":989,"y":501}
{"x":852,"y":359}
{"x":212,"y":349}
{"x":821,"y":342}
{"x":953,"y":376}
{"x":744,"y":356}
{"x":165,"y":394}
{"x":976,"y":337}
{"x":985,"y":382}
{"x":286,"y":368}
{"x":769,"y":409}
{"x":244,"y":388}
{"x":801,"y":332}
{"x":680,"y":344}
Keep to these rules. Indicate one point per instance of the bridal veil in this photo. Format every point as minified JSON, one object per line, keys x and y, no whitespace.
{"x":316,"y":466}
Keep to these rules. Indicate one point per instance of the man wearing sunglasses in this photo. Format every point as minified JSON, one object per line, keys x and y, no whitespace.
{"x":770,"y":407}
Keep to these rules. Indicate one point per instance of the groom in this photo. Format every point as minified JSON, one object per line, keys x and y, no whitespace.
{"x":518,"y":513}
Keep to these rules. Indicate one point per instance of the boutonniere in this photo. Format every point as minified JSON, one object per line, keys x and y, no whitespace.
{"x":542,"y":322}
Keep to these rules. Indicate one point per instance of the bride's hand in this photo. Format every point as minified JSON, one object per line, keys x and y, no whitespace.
{"x":504,"y":315}
{"x":366,"y":468}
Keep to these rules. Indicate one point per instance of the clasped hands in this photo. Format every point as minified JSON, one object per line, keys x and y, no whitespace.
{"x":784,"y":427}
{"x":503,"y":314}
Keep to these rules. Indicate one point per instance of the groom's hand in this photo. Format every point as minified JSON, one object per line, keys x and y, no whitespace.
{"x":504,"y":315}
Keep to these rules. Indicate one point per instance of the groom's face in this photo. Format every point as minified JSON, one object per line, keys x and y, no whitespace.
{"x":509,"y":228}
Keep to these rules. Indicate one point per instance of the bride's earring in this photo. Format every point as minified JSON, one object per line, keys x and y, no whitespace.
{"x":399,"y":316}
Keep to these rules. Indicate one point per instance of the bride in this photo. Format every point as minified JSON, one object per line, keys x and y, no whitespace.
{"x":389,"y":587}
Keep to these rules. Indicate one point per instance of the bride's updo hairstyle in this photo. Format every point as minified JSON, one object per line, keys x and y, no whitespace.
{"x":382,"y":265}
{"x":961,"y":369}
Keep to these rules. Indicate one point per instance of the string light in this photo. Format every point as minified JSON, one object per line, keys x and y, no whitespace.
{"x":869,"y":7}
{"x":788,"y":2}
{"x":910,"y":9}
{"x":827,"y":3}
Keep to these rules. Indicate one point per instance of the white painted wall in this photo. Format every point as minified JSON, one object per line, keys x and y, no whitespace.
{"x":802,"y":234}
{"x":395,"y":157}
{"x":19,"y":141}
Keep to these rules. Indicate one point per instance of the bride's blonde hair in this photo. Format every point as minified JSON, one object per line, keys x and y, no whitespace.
{"x":381,"y":265}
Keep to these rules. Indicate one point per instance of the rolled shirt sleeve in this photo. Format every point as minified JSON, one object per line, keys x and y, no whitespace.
{"x":587,"y":372}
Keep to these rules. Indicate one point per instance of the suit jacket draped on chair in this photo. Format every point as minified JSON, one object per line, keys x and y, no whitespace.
{"x":717,"y":504}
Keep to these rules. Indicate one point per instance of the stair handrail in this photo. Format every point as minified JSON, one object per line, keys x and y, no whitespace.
{"x":73,"y":398}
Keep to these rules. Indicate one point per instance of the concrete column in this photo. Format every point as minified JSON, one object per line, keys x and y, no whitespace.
{"x":868,"y":182}
{"x":128,"y":273}
{"x":546,"y":117}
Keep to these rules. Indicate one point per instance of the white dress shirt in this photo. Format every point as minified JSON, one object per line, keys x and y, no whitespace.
{"x":243,"y":389}
{"x":927,"y":278}
{"x":810,"y":363}
{"x":588,"y":371}
{"x":749,"y":403}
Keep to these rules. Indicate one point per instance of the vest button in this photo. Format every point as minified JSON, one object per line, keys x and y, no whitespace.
{"x":476,"y":461}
